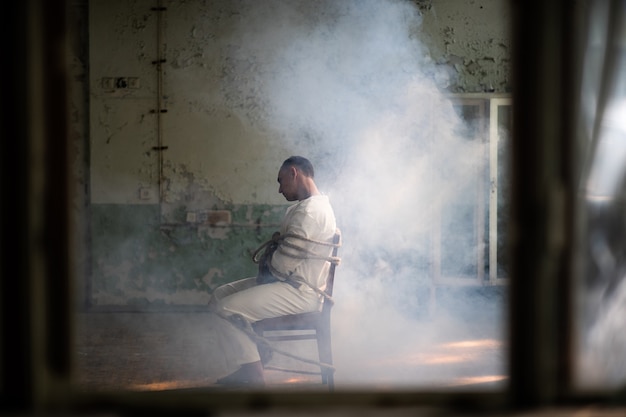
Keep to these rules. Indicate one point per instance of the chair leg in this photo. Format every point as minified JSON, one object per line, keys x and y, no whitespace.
{"x":326,"y":356}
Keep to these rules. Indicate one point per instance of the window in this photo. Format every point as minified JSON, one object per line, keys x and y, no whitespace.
{"x":601,"y":289}
{"x":477,"y":218}
{"x":36,"y":323}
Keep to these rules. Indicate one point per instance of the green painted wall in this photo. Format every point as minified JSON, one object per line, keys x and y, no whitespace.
{"x":140,"y":261}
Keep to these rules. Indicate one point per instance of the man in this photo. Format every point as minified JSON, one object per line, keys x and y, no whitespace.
{"x":297,"y":270}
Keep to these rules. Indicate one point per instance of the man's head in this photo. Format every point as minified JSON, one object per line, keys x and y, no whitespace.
{"x":296,"y":179}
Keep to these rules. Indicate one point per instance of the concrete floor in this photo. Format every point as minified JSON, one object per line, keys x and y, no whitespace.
{"x":460,"y":350}
{"x":161,"y":351}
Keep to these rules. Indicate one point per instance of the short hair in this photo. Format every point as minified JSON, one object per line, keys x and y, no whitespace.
{"x":302,"y":164}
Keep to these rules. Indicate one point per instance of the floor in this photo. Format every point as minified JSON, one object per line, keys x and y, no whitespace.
{"x":458,"y":346}
{"x":170,"y":350}
{"x":161,"y":351}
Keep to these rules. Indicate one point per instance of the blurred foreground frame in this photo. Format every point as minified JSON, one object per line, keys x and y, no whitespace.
{"x":36,"y":238}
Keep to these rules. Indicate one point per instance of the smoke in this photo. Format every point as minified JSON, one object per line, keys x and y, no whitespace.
{"x":349,"y":85}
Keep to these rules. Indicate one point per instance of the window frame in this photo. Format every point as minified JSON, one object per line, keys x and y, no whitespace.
{"x":38,"y":377}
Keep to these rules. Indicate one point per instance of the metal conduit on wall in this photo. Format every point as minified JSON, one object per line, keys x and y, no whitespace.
{"x":158,"y":63}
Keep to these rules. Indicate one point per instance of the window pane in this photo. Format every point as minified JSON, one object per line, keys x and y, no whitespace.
{"x":175,"y":142}
{"x":601,"y":360}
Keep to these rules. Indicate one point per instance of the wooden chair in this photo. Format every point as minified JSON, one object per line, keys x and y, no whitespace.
{"x":308,"y":326}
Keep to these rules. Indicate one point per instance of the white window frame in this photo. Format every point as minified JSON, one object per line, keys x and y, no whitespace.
{"x":488,"y":105}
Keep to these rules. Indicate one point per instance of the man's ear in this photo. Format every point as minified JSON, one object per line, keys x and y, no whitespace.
{"x":293,"y":171}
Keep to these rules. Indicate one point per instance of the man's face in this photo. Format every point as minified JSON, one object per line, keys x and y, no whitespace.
{"x":287,"y":183}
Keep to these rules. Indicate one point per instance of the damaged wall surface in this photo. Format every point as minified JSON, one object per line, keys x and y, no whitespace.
{"x":194,"y":105}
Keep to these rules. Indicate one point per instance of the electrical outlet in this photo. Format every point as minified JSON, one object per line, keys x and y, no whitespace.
{"x":133,"y":82}
{"x":108,"y":83}
{"x":145,"y":193}
{"x":121,"y":82}
{"x":191,"y":217}
{"x":202,"y":217}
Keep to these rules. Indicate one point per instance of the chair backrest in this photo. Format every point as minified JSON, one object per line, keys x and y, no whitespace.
{"x":330,"y":280}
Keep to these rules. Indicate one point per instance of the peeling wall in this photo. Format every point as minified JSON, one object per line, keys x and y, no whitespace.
{"x":199,"y":117}
{"x":474,"y":39}
{"x":220,"y":154}
{"x":203,"y":95}
{"x":141,"y":262}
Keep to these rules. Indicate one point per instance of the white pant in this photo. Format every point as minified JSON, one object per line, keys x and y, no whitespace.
{"x":254,"y":303}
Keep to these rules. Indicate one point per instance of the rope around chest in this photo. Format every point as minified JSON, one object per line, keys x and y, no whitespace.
{"x":279,"y":242}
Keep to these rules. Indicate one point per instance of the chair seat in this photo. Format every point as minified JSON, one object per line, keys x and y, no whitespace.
{"x":303,"y":321}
